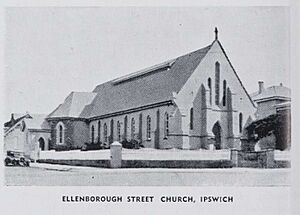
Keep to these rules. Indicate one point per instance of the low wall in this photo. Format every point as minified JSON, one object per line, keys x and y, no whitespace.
{"x":74,"y":162}
{"x":282,"y":164}
{"x":145,"y":163}
{"x":253,"y":159}
{"x":176,"y":164}
{"x":142,"y":158}
{"x":75,"y":155}
{"x":174,"y":158}
{"x":138,"y":154}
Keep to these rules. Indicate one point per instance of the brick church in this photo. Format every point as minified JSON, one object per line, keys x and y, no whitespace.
{"x":193,"y":101}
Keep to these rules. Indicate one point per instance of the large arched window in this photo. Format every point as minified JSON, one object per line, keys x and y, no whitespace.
{"x":132,"y":128}
{"x":61,"y":130}
{"x":99,"y":131}
{"x":217,"y":83}
{"x":192,"y":118}
{"x":93,"y":133}
{"x":60,"y":133}
{"x":111,"y":130}
{"x":125,"y":127}
{"x":119,"y":131}
{"x":240,"y":122}
{"x":105,"y":132}
{"x":141,"y":127}
{"x":166,"y":127}
{"x":224,"y":92}
{"x":210,"y":90}
{"x":148,"y":130}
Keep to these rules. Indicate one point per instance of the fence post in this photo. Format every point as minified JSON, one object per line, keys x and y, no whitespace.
{"x":116,"y":155}
{"x":270,"y":158}
{"x":234,"y":153}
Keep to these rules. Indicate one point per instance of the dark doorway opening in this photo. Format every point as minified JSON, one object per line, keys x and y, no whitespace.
{"x":42,"y":144}
{"x":217,"y":132}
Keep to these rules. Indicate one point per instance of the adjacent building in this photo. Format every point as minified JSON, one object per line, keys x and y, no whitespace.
{"x":271,"y":100}
{"x":26,"y":133}
{"x":193,"y":101}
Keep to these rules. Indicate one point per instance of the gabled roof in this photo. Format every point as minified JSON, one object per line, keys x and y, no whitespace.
{"x":32,"y":121}
{"x":273,"y":92}
{"x":37,"y":121}
{"x":149,"y":86}
{"x":223,"y":50}
{"x":73,"y":105}
{"x":16,"y":117}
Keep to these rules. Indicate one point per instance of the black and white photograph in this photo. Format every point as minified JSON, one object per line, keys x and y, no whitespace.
{"x":147,"y":97}
{"x":74,"y":100}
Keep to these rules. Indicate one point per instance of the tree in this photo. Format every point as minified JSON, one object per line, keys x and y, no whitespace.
{"x":277,"y":124}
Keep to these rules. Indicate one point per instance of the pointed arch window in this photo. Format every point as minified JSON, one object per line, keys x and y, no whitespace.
{"x":93,"y":133}
{"x":60,"y":133}
{"x":111,"y":130}
{"x":192,"y":118}
{"x":166,"y":127}
{"x":240,"y":122}
{"x":217,"y":83}
{"x":132,"y":128}
{"x":224,"y":92}
{"x":141,"y":127}
{"x":99,"y":131}
{"x":105,"y":132}
{"x":148,"y":130}
{"x":119,"y":131}
{"x":125,"y":127}
{"x":210,"y":90}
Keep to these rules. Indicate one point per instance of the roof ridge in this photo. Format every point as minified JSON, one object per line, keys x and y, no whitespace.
{"x":82,"y":92}
{"x":144,"y":70}
{"x":235,"y":72}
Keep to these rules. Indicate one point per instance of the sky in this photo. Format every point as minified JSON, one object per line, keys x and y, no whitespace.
{"x":50,"y":52}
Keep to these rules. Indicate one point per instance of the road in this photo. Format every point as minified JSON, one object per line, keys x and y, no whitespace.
{"x":59,"y":175}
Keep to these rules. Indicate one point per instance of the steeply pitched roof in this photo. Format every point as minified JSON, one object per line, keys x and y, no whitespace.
{"x":149,"y":86}
{"x":37,"y":121}
{"x":32,"y":121}
{"x":73,"y":105}
{"x":223,"y":50}
{"x":16,"y":117}
{"x":272,"y":92}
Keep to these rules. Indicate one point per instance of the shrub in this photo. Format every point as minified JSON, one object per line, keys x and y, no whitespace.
{"x":61,"y":148}
{"x":94,"y":146}
{"x":132,"y":144}
{"x":267,"y":142}
{"x":278,"y":124}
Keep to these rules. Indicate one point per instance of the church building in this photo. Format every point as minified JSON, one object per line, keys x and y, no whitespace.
{"x":193,"y":101}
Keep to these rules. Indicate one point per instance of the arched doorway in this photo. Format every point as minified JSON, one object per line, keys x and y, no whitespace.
{"x":217,"y":130}
{"x":42,"y":143}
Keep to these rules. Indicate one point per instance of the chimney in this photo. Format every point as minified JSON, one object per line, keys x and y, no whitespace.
{"x":260,"y":86}
{"x":12,"y":119}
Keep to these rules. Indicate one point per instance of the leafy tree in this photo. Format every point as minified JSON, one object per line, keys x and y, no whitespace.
{"x":277,"y":124}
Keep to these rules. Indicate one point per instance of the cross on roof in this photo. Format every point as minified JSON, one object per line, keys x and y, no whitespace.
{"x":216,"y":33}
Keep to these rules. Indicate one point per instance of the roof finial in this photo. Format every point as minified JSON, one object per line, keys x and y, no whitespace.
{"x":216,"y":33}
